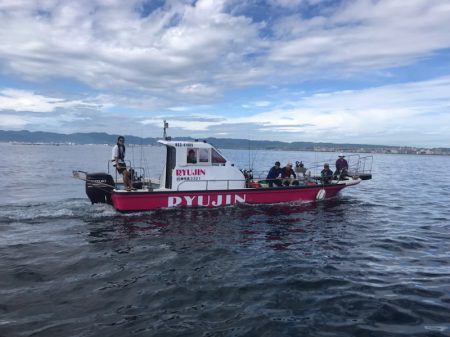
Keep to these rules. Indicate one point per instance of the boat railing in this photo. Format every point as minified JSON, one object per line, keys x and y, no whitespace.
{"x":137,"y":173}
{"x":358,"y":165}
{"x":364,"y":165}
{"x":256,"y":182}
{"x":211,"y":181}
{"x":261,"y":175}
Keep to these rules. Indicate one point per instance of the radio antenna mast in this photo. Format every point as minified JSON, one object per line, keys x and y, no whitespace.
{"x":166,"y":126}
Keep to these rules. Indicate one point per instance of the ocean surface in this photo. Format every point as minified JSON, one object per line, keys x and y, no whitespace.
{"x":373,"y":262}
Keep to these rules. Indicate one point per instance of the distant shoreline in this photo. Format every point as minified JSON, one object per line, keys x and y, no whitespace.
{"x":372,"y":149}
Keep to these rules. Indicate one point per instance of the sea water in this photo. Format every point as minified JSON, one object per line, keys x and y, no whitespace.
{"x":373,"y":262}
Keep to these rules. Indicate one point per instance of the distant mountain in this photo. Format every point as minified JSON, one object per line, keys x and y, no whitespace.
{"x":104,"y":138}
{"x":277,"y":145}
{"x":74,"y":138}
{"x":224,"y":143}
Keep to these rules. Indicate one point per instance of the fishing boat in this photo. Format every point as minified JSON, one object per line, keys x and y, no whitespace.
{"x":196,"y":174}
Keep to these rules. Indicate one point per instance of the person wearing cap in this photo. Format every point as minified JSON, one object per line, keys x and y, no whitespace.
{"x":274,"y":174}
{"x":326,"y":174}
{"x":118,"y":159}
{"x":341,"y":167}
{"x":288,"y":175}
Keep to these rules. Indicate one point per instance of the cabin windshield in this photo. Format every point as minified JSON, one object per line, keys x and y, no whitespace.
{"x":203,"y":155}
{"x":199,"y":156}
{"x":216,"y":157}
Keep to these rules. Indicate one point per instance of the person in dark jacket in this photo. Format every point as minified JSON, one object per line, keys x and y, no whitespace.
{"x":326,"y":174}
{"x":288,"y":175}
{"x":274,"y":174}
{"x":341,"y":167}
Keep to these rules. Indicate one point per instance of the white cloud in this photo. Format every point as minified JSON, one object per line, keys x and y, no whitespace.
{"x":21,"y":100}
{"x":189,"y":123}
{"x":363,"y":35}
{"x":397,"y":111}
{"x":179,"y":108}
{"x":189,"y":54}
{"x":108,"y":44}
{"x":12,"y":121}
{"x":28,"y":101}
{"x":390,"y":115}
{"x":256,"y":104}
{"x":198,"y":89}
{"x":403,"y":114}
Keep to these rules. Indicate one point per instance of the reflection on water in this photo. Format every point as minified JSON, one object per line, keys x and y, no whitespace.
{"x":281,"y":226}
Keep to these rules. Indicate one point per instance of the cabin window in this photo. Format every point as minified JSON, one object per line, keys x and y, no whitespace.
{"x":192,"y":156}
{"x":203,"y":155}
{"x":217,"y":157}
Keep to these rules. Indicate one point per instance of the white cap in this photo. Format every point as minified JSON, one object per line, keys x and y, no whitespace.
{"x":341,"y":155}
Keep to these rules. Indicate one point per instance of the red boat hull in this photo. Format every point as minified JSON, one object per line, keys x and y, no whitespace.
{"x":143,"y":201}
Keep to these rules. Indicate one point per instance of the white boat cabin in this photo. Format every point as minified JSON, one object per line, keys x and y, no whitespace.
{"x":198,"y":166}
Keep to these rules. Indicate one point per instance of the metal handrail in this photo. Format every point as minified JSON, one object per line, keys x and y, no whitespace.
{"x":211,"y":181}
{"x":141,"y":170}
{"x":357,"y":164}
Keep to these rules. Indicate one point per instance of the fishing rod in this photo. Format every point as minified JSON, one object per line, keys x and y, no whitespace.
{"x":95,"y":183}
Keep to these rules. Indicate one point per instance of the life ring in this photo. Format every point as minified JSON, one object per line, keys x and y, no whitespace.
{"x":321,"y":194}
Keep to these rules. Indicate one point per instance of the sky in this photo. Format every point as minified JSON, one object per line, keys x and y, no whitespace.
{"x":342,"y":71}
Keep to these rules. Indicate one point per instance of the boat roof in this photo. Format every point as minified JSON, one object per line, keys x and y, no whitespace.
{"x":176,"y":143}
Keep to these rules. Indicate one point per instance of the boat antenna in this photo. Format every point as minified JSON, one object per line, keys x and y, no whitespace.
{"x":166,"y":126}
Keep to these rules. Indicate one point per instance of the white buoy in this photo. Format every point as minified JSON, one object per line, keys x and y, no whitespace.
{"x":321,"y":194}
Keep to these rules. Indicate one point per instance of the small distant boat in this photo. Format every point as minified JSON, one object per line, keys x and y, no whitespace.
{"x":196,"y":174}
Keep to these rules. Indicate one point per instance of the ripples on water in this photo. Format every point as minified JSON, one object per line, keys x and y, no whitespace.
{"x":373,"y":262}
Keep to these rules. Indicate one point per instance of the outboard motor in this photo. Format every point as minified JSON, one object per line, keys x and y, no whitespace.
{"x":99,"y":187}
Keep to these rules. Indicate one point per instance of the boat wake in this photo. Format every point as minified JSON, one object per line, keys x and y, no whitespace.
{"x":65,"y":209}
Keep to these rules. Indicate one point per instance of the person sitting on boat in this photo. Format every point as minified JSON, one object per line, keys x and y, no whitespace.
{"x":341,"y":167}
{"x":288,"y":175}
{"x":118,"y":159}
{"x":326,"y":174}
{"x":274,"y":174}
{"x":300,"y":169}
{"x":192,"y":157}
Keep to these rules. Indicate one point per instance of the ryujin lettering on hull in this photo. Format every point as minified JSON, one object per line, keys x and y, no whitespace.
{"x":205,"y":200}
{"x":189,"y":172}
